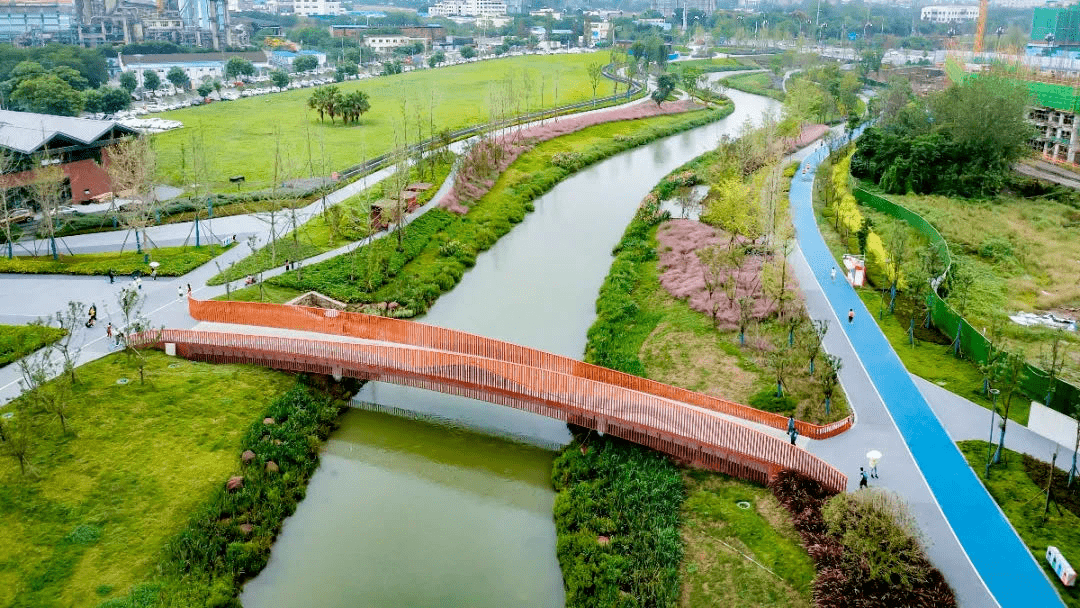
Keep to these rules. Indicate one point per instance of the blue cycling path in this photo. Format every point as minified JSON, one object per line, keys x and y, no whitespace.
{"x":990,"y":546}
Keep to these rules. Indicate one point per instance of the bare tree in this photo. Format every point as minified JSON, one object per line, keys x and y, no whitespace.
{"x":811,"y":337}
{"x":715,"y":272}
{"x":8,"y":163}
{"x":132,"y":165}
{"x":595,"y":72}
{"x":68,"y":320}
{"x":130,"y":302}
{"x":1009,"y":376}
{"x":49,"y":189}
{"x":1053,"y":361}
{"x":18,"y":441}
{"x":36,"y":371}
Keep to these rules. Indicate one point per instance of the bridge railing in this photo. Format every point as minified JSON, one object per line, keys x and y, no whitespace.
{"x":399,"y":331}
{"x":688,"y":432}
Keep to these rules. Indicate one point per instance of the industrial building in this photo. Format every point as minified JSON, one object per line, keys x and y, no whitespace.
{"x":197,"y":66}
{"x":667,"y":7}
{"x":952,"y":13}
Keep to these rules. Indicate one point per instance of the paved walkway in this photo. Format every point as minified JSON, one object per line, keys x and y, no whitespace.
{"x":971,"y":541}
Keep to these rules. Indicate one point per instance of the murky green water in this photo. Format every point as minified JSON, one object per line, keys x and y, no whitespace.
{"x":448,"y":501}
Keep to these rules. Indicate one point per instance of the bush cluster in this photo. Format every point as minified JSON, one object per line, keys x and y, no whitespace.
{"x":863,"y":545}
{"x":617,"y":515}
{"x":228,"y":541}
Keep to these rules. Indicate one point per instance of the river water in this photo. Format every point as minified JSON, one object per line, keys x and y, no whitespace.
{"x":424,"y":499}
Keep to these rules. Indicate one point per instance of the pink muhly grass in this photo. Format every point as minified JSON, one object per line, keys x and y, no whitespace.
{"x":488,"y":158}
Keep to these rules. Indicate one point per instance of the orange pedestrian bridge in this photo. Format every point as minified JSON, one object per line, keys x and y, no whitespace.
{"x":695,"y":428}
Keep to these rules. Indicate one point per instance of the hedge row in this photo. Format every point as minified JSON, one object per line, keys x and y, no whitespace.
{"x":17,"y":341}
{"x":448,"y":253}
{"x":228,"y":541}
{"x":175,"y":261}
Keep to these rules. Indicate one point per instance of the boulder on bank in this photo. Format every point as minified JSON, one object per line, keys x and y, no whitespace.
{"x":247,"y":456}
{"x":234,"y":483}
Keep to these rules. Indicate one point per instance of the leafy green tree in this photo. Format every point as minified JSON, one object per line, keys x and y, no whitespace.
{"x":595,"y":72}
{"x":71,"y":76}
{"x":129,"y":82}
{"x":151,"y":80}
{"x":238,"y":67}
{"x":47,"y":94}
{"x":204,"y":89}
{"x":178,"y":77}
{"x":93,"y":101}
{"x":468,"y":52}
{"x":436,"y":58}
{"x":305,"y":63}
{"x":353,"y":106}
{"x":986,"y":115}
{"x":665,"y":85}
{"x":280,"y":78}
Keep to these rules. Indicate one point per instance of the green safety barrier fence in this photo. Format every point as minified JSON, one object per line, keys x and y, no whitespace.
{"x":973,"y":345}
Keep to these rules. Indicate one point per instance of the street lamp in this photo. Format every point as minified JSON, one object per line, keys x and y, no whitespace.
{"x":989,"y":448}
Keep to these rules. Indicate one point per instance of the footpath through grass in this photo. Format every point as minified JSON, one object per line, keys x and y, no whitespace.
{"x":91,"y":516}
{"x":440,"y":246}
{"x":1017,"y":486}
{"x":174,"y":262}
{"x":726,"y":523}
{"x":241,"y":137}
{"x":17,"y":341}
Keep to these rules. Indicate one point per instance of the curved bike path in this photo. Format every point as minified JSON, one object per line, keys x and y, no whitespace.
{"x":1002,"y":561}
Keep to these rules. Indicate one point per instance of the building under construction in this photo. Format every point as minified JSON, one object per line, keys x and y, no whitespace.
{"x":203,"y":23}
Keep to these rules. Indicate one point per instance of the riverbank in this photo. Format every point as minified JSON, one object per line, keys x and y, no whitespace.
{"x":98,"y":503}
{"x":415,"y":266}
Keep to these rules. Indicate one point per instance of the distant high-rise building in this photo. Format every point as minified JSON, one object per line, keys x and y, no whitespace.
{"x":37,"y":21}
{"x":667,"y":7}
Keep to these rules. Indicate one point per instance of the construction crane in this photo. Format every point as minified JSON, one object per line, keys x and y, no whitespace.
{"x":980,"y":32}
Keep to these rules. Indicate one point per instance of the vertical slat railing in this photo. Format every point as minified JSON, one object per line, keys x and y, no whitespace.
{"x":399,"y":331}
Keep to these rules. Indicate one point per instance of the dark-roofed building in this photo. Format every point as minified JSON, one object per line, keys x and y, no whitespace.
{"x":76,"y":144}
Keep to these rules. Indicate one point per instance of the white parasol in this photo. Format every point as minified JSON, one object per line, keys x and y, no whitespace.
{"x":873,"y":455}
{"x":155,"y":264}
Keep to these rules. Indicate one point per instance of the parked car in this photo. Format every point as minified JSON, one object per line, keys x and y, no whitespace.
{"x":16,"y":216}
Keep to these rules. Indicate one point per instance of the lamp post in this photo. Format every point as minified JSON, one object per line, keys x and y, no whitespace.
{"x":989,"y":448}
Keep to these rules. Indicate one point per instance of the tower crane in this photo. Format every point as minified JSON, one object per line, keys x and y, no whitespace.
{"x":980,"y":32}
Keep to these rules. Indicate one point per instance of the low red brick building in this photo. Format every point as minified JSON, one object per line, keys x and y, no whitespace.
{"x":77,"y":145}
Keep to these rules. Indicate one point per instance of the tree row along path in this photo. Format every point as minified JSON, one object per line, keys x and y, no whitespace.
{"x":970,"y":539}
{"x":694,"y":428}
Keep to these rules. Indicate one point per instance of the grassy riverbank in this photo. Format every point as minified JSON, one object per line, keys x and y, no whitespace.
{"x":336,"y":226}
{"x":1018,"y":485}
{"x":17,"y":341}
{"x":758,"y":83}
{"x":174,"y":262}
{"x":97,"y":504}
{"x":439,"y":246}
{"x":238,"y":137}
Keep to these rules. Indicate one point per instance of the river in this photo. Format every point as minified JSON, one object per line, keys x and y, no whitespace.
{"x":424,"y":499}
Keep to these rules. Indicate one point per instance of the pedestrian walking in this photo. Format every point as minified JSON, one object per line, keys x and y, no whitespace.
{"x":863,"y":483}
{"x":153,"y":273}
{"x":791,"y":424}
{"x":112,"y":276}
{"x":851,"y":315}
{"x":138,"y":283}
{"x":794,"y":433}
{"x":180,"y":291}
{"x":874,"y":457}
{"x":287,"y":266}
{"x":832,"y":274}
{"x":189,"y":289}
{"x":108,"y":331}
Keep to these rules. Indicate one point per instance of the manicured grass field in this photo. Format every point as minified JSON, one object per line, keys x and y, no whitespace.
{"x":175,"y":261}
{"x":241,"y":137}
{"x":91,"y":516}
{"x":1022,"y":501}
{"x":721,"y":538}
{"x":17,"y":341}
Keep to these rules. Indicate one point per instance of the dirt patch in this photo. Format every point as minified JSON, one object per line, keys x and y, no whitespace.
{"x":695,"y":362}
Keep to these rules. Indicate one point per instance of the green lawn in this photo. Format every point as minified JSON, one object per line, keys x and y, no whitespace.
{"x":1021,"y":500}
{"x":759,"y":83}
{"x":17,"y":341}
{"x":721,"y":538}
{"x":175,"y":261}
{"x":91,"y":516}
{"x":240,"y":137}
